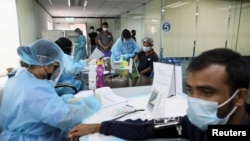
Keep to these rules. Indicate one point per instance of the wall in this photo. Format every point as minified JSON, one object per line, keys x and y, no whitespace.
{"x":32,"y":20}
{"x":9,"y":36}
{"x":26,"y":20}
{"x":133,"y":21}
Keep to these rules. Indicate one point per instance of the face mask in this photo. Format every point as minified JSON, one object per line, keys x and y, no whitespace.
{"x":105,"y":29}
{"x":91,"y":30}
{"x":54,"y":75}
{"x":146,"y":49}
{"x":98,"y":32}
{"x":202,"y":113}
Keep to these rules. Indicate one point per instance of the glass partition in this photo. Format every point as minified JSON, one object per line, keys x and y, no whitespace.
{"x":183,"y":29}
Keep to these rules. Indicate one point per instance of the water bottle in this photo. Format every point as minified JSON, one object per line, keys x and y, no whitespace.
{"x":100,"y":80}
{"x":92,"y":77}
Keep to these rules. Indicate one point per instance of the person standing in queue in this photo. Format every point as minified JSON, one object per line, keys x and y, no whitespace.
{"x":92,"y":39}
{"x":105,"y":40}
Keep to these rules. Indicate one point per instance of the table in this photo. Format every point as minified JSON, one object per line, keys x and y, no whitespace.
{"x":137,"y":97}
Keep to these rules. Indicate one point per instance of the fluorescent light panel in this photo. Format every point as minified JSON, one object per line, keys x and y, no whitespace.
{"x":184,"y":3}
{"x":69,"y":4}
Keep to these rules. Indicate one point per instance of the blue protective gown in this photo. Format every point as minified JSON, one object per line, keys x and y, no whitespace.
{"x":31,"y":110}
{"x":69,"y":76}
{"x":80,"y":49}
{"x":128,"y":50}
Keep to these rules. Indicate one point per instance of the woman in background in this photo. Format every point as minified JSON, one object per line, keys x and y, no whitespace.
{"x":80,"y":47}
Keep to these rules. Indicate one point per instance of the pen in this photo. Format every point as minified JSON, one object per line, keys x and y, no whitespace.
{"x":130,"y":106}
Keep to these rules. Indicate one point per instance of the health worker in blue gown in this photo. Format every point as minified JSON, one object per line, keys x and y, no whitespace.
{"x":31,"y":110}
{"x":125,"y":46}
{"x":80,"y":46}
{"x":71,"y":71}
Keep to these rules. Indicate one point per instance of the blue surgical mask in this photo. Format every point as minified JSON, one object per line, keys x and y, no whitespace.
{"x":202,"y":113}
{"x":146,"y":49}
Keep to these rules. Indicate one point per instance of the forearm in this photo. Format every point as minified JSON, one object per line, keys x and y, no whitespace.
{"x":128,"y":130}
{"x":145,"y":71}
{"x":110,"y":45}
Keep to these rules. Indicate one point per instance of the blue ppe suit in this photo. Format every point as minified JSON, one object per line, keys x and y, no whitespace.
{"x":31,"y":110}
{"x":80,"y":49}
{"x":127,"y":50}
{"x":69,"y":75}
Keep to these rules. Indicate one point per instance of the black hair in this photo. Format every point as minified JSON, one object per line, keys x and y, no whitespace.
{"x":78,"y":30}
{"x":236,"y":67}
{"x":133,"y":31}
{"x":65,"y":44}
{"x":99,"y":29}
{"x":105,"y":23}
{"x":92,"y":27}
{"x":126,"y":34}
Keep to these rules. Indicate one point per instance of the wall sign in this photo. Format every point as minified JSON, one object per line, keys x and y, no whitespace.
{"x":166,"y":26}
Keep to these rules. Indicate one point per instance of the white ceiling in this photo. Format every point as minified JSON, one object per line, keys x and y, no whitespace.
{"x":94,"y":8}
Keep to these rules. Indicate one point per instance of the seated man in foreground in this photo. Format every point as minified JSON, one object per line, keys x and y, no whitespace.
{"x":217,"y":84}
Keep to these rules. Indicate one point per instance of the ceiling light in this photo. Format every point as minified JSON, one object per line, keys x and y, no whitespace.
{"x":85,"y":3}
{"x":184,"y":3}
{"x":176,"y":3}
{"x":50,"y":3}
{"x":69,"y":4}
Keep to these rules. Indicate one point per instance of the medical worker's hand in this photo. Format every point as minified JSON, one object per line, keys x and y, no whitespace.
{"x":125,"y":56}
{"x":82,"y":130}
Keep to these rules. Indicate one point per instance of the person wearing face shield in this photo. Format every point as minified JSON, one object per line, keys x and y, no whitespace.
{"x":31,"y":110}
{"x":218,"y":89}
{"x":105,"y":40}
{"x":146,"y":57}
{"x":124,"y":47}
{"x":71,"y":69}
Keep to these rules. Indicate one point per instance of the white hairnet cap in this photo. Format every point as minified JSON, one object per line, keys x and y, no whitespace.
{"x":41,"y":53}
{"x":148,"y":40}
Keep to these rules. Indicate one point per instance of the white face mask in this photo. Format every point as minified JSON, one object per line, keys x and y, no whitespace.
{"x":146,"y":49}
{"x":91,"y":30}
{"x":105,"y":29}
{"x":202,"y":113}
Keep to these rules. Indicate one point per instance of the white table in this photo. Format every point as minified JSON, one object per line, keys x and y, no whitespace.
{"x":137,"y":97}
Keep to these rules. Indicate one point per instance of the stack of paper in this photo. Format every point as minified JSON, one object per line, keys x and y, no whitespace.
{"x":105,"y":94}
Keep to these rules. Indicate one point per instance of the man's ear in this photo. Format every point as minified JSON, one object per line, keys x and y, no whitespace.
{"x":241,"y":97}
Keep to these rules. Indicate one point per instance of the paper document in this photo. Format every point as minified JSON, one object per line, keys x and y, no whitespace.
{"x":97,"y":54}
{"x":108,"y":98}
{"x":167,"y":78}
{"x":106,"y":95}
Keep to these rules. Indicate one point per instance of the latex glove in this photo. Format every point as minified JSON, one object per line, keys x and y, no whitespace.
{"x":125,"y":56}
{"x":83,"y":62}
{"x":66,"y":97}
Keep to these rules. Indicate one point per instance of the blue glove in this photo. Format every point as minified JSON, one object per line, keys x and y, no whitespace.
{"x":126,"y":56}
{"x":66,"y":97}
{"x":83,"y":63}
